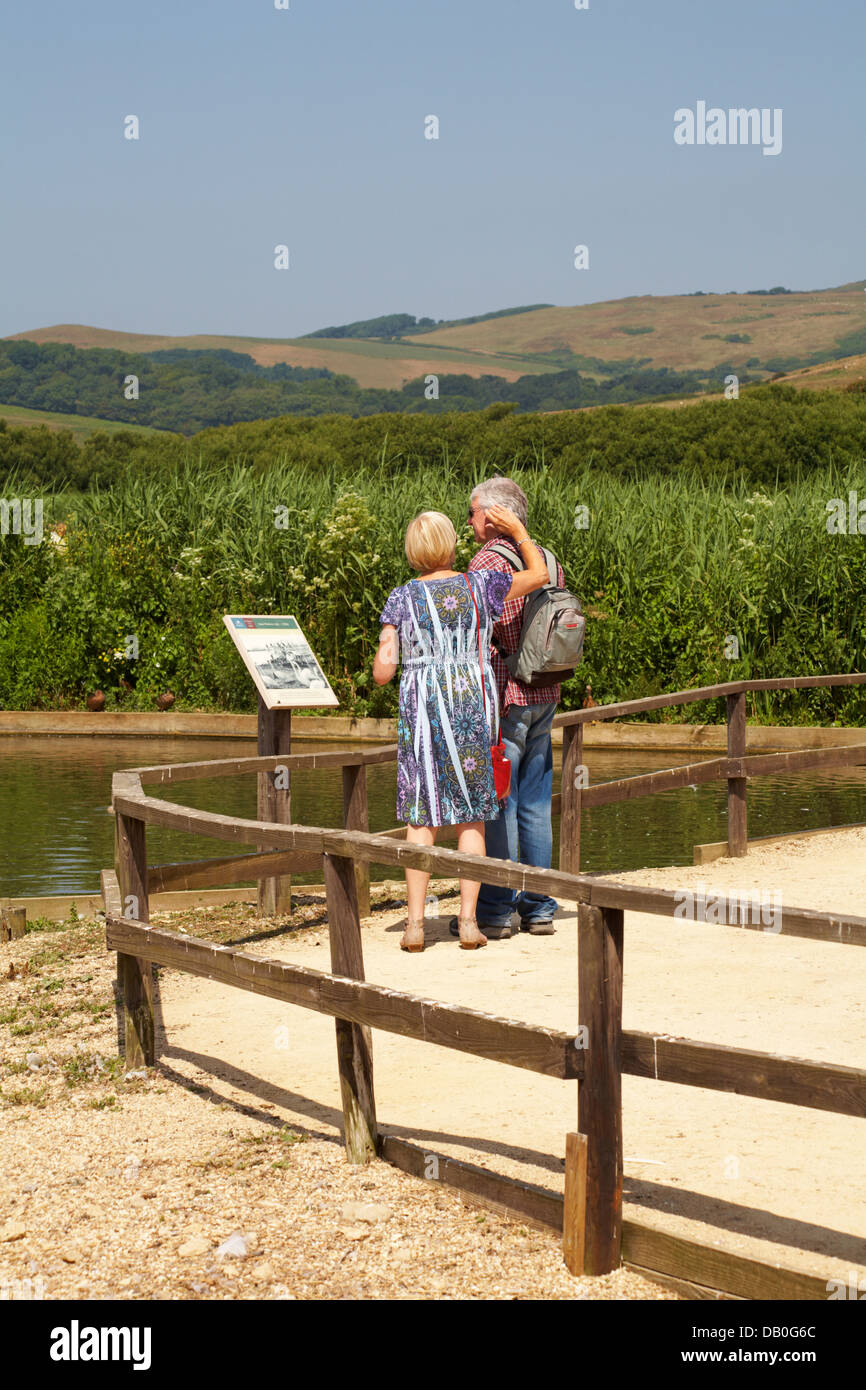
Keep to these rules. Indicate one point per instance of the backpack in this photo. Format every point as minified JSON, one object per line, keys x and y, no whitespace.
{"x":552,"y":631}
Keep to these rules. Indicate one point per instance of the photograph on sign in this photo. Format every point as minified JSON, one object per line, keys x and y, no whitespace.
{"x":281,"y":661}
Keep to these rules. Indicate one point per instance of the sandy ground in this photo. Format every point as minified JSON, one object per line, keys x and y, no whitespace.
{"x":237,"y":1128}
{"x":772,"y":1181}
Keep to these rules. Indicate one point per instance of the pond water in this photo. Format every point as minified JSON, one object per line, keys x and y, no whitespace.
{"x":56,"y":834}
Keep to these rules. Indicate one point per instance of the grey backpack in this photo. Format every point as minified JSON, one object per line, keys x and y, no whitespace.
{"x":552,"y":631}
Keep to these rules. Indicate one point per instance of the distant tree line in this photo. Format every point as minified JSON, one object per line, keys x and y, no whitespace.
{"x":186,"y":390}
{"x":386,"y":326}
{"x":390,"y":326}
{"x":771,"y":435}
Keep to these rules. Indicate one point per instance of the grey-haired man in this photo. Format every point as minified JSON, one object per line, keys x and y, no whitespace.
{"x":523,"y":832}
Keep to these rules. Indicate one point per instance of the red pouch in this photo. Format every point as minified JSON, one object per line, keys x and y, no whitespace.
{"x":501,"y":771}
{"x":501,"y":764}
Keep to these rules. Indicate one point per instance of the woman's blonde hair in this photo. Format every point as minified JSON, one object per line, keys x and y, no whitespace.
{"x":430,"y":542}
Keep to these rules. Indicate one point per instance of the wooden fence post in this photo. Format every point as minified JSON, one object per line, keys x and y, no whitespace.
{"x":274,"y":802}
{"x":134,"y":976}
{"x":13,"y":922}
{"x":356,"y":816}
{"x":599,"y":1105}
{"x":572,"y":795}
{"x":574,"y":1206}
{"x":354,"y":1041}
{"x":737,"y":815}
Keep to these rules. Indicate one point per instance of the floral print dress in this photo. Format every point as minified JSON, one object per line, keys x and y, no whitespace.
{"x":444,"y":769}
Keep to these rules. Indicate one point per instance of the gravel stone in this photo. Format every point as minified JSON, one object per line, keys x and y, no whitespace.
{"x":196,"y":1245}
{"x":371,"y":1212}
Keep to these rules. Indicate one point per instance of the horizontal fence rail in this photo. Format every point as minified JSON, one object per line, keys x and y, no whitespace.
{"x":292,"y":762}
{"x":737,"y":768}
{"x":312,"y":842}
{"x":764,"y":1075}
{"x":538,"y":1049}
{"x":706,"y":692}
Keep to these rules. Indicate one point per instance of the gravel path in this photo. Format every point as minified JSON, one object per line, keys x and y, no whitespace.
{"x":115,"y":1186}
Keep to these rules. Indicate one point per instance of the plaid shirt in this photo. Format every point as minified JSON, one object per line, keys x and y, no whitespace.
{"x":507,"y":632}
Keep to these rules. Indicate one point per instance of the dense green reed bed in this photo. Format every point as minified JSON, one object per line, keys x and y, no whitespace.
{"x":669,"y":568}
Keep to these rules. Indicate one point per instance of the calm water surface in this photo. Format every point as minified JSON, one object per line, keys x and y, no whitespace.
{"x":56,"y":835}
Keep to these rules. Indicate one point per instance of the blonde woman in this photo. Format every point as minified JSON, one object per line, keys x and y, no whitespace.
{"x":441,"y":624}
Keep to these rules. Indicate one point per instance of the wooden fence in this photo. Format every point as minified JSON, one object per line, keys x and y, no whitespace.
{"x":736,"y":768}
{"x":595,"y":1237}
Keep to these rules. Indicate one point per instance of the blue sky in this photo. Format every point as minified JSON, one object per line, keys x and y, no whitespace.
{"x":306,"y":127}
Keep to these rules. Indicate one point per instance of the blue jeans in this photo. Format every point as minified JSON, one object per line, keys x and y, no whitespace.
{"x":523,"y":830}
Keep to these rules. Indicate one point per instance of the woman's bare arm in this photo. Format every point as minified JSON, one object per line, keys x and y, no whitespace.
{"x":385,"y":660}
{"x":535,"y":575}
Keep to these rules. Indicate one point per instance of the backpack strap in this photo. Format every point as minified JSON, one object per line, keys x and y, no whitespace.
{"x":516,"y":561}
{"x":552,"y":566}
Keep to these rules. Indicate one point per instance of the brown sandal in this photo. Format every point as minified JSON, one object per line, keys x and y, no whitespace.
{"x":413,"y":937}
{"x":470,"y":935}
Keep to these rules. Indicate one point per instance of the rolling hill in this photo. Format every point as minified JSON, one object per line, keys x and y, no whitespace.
{"x":370,"y":363}
{"x":683,"y":332}
{"x":762,"y":333}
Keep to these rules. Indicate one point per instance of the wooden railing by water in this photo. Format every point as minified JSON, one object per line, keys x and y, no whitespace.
{"x":595,"y":1238}
{"x":736,"y":768}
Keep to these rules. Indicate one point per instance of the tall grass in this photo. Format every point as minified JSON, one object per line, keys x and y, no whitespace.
{"x":670,"y":569}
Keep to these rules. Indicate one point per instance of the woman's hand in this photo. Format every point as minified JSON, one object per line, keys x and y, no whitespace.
{"x":505,"y":520}
{"x":534,"y":575}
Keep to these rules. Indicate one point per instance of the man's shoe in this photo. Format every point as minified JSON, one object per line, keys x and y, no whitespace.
{"x":492,"y":933}
{"x":545,"y":928}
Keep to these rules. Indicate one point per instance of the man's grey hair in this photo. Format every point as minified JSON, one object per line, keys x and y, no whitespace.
{"x":502,"y":492}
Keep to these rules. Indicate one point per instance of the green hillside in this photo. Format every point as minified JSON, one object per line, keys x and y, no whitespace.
{"x":81,"y":426}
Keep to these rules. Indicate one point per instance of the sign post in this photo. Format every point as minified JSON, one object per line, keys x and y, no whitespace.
{"x":287,"y":676}
{"x":275,"y":801}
